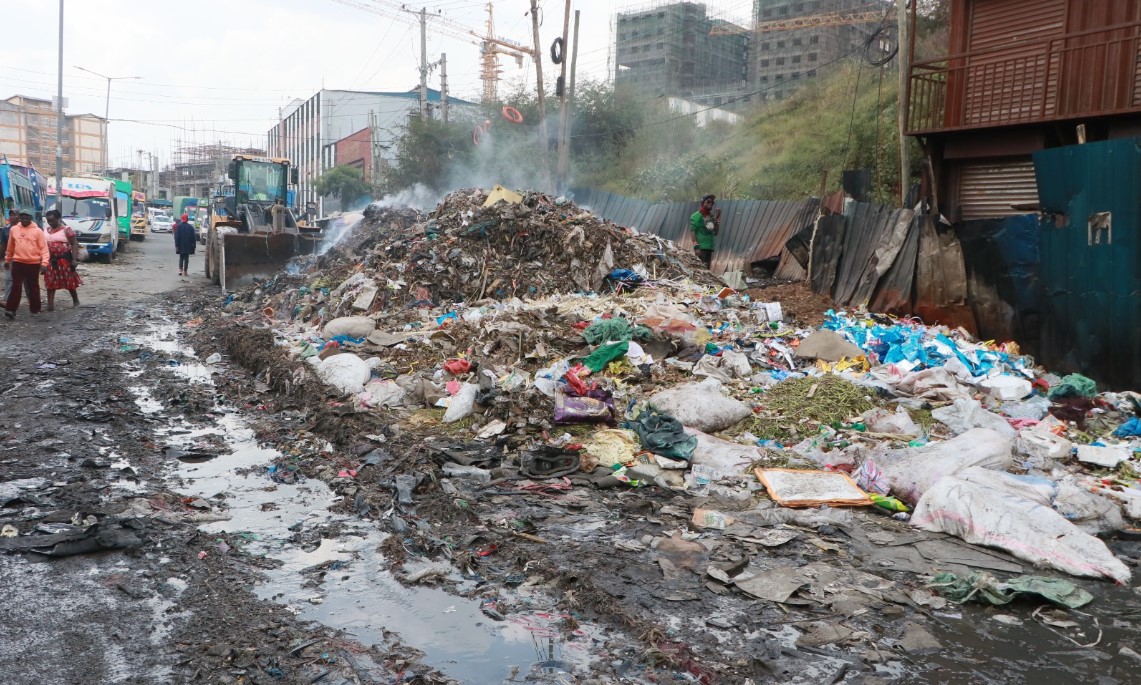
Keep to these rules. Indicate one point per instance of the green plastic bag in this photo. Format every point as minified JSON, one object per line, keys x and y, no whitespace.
{"x":985,"y":588}
{"x":598,"y":359}
{"x":1074,"y":385}
{"x":663,"y":434}
{"x":617,"y":329}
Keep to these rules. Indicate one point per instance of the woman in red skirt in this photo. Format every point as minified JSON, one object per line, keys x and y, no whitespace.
{"x":63,"y":250}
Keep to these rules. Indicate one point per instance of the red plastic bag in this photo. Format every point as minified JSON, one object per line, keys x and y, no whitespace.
{"x":457,"y":366}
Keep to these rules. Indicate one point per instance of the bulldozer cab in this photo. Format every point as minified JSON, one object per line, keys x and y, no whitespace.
{"x":242,"y":245}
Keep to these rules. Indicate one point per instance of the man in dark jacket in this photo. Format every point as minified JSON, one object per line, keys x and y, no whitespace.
{"x":184,"y":243}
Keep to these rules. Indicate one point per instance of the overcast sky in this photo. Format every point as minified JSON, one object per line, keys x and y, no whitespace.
{"x":220,"y":69}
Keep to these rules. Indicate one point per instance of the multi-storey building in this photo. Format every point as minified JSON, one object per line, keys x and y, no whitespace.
{"x":668,"y":50}
{"x":784,"y":59}
{"x":308,"y":131}
{"x":28,"y":136}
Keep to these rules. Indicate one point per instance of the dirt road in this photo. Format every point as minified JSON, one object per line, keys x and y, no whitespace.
{"x":107,"y":576}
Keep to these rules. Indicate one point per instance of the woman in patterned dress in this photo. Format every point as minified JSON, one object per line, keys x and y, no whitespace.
{"x":63,"y":250}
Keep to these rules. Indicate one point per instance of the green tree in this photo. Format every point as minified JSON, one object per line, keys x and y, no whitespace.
{"x":344,"y":182}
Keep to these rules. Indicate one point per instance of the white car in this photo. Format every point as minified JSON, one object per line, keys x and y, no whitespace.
{"x":161,"y":224}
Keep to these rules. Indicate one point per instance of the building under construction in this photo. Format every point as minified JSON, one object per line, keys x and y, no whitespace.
{"x":784,"y":57}
{"x":677,"y":49}
{"x":667,"y":49}
{"x":199,"y":170}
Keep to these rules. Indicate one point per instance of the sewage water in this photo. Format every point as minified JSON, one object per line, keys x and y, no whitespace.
{"x":357,"y":594}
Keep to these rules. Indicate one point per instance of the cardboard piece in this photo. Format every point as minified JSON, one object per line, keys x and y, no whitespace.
{"x":806,"y":488}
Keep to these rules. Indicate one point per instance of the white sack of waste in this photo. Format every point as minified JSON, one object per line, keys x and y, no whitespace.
{"x":382,"y":393}
{"x":721,"y":458}
{"x":462,"y":403}
{"x":996,"y":517}
{"x":345,"y":372}
{"x":911,"y":472}
{"x":701,"y":405}
{"x":964,"y":414}
{"x":352,"y":326}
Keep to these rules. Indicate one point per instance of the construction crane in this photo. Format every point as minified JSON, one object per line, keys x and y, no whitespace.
{"x":491,"y":47}
{"x":812,"y":21}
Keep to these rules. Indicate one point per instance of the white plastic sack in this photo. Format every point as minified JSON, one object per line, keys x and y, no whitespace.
{"x":964,"y":414}
{"x":724,"y":459}
{"x":352,"y":326}
{"x":701,"y":405}
{"x":935,"y":384}
{"x":382,"y":393}
{"x":983,"y":515}
{"x":345,"y":372}
{"x":736,"y":363}
{"x":898,"y":422}
{"x":1087,"y":510}
{"x":911,"y":472}
{"x":1041,"y":447}
{"x":710,"y":366}
{"x":462,"y":403}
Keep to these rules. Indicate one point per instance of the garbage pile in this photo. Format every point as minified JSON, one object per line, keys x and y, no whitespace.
{"x":522,"y":338}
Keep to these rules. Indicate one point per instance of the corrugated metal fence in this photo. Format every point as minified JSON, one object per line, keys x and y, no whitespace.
{"x":751,"y":230}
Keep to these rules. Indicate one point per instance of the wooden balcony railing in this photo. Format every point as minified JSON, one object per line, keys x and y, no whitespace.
{"x":1091,"y":73}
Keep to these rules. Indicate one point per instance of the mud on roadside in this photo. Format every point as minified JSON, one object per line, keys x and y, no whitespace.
{"x":138,"y":594}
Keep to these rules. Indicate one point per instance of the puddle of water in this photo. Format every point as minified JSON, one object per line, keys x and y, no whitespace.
{"x":146,"y":402}
{"x":195,"y":373}
{"x":359,"y":596}
{"x":161,"y":338}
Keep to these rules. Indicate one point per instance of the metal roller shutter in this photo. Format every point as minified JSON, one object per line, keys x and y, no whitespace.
{"x":988,"y":189}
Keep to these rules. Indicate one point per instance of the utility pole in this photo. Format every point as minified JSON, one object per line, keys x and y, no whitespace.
{"x":544,"y":142}
{"x":570,"y":92}
{"x":423,"y":63}
{"x":561,"y":168}
{"x":59,"y":119}
{"x":444,"y":86}
{"x":904,"y":51}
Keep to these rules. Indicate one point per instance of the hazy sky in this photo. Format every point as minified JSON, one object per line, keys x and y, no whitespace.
{"x":219,"y":70}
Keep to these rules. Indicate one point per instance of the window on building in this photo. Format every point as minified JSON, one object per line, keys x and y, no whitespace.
{"x":780,"y":44}
{"x":813,"y":40}
{"x":797,"y":41}
{"x":780,"y":77}
{"x":767,"y":13}
{"x":811,"y":74}
{"x":780,"y":60}
{"x":764,"y":63}
{"x":812,"y":57}
{"x":796,"y":59}
{"x":764,"y":79}
{"x":764,"y":46}
{"x":796,"y":74}
{"x":783,"y":10}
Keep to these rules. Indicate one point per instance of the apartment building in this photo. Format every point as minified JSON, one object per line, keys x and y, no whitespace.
{"x":28,"y":136}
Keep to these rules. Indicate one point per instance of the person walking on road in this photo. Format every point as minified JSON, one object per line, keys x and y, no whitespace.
{"x":185,"y":241}
{"x":26,"y":258}
{"x":705,"y":223}
{"x":63,"y":253}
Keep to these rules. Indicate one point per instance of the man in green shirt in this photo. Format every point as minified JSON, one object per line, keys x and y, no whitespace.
{"x":705,"y":223}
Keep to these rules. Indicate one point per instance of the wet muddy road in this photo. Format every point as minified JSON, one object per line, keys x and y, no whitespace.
{"x":164,"y":523}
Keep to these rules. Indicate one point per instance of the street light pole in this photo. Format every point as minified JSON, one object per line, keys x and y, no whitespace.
{"x":106,"y":107}
{"x":59,"y":119}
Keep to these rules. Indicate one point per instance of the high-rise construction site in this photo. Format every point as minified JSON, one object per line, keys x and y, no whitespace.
{"x":678,"y":49}
{"x":666,"y":49}
{"x":792,"y":39}
{"x":198,"y":170}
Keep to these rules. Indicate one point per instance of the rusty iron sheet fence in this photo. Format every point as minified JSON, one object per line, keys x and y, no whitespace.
{"x":752,"y":231}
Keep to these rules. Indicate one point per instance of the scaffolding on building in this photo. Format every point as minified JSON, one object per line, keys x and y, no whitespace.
{"x":669,"y":49}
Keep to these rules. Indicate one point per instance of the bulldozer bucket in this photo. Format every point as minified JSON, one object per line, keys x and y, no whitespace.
{"x":246,"y":257}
